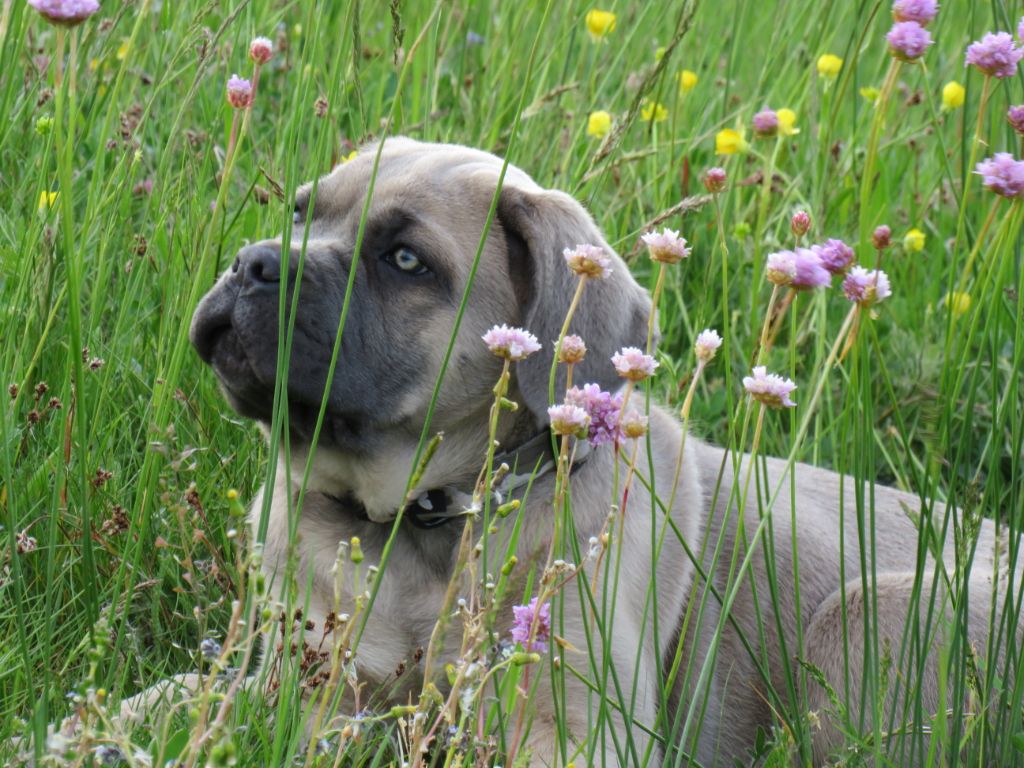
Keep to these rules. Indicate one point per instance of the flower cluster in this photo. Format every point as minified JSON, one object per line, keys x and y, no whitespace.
{"x":531,"y":617}
{"x":568,"y":419}
{"x":510,"y":343}
{"x":908,"y":39}
{"x":588,"y":260}
{"x":240,"y":92}
{"x":666,"y":246}
{"x":707,"y":344}
{"x":632,"y":364}
{"x":66,"y":13}
{"x":866,"y":287}
{"x":1002,"y":174}
{"x":602,"y":407}
{"x":995,"y":55}
{"x":770,"y":389}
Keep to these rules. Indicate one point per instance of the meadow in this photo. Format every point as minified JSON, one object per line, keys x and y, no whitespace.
{"x":128,"y":181}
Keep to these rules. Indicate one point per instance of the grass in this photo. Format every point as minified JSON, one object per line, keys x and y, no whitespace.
{"x":121,"y":552}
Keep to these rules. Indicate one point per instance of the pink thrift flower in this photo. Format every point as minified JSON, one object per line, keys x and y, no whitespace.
{"x":800,"y":224}
{"x":529,"y":617}
{"x":881,"y":238}
{"x":510,"y":343}
{"x":781,"y":267}
{"x":239,"y":92}
{"x":866,"y":287}
{"x":573,"y":350}
{"x":836,"y":256}
{"x":261,"y":50}
{"x":707,"y":344}
{"x":921,"y":11}
{"x":769,"y":388}
{"x":1002,"y":174}
{"x":995,"y":55}
{"x":908,"y":40}
{"x":666,"y":246}
{"x":568,"y":419}
{"x":589,"y":260}
{"x":67,"y":13}
{"x":810,"y":273}
{"x":603,"y":409}
{"x":714,"y":180}
{"x":634,"y":425}
{"x":1015,"y":116}
{"x":766,"y":122}
{"x":631,"y":363}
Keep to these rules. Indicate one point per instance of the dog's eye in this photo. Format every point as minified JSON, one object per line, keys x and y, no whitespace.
{"x":406,"y":261}
{"x":296,"y":216}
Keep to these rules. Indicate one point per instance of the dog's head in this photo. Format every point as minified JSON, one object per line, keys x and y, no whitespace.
{"x":428,"y":208}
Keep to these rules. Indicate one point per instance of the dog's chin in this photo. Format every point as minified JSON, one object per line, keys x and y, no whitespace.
{"x":249,"y":389}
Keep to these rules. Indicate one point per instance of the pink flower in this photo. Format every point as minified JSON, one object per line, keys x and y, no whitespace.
{"x":921,"y":11}
{"x":239,"y":92}
{"x":589,"y":260}
{"x":714,"y":180}
{"x":67,"y":13}
{"x":781,"y":267}
{"x":603,"y":409}
{"x":866,"y":288}
{"x":1020,"y":29}
{"x":261,"y":50}
{"x":568,"y":419}
{"x":810,"y":273}
{"x":800,"y":224}
{"x":836,"y":256}
{"x":666,"y":246}
{"x":634,"y":425}
{"x":529,"y":617}
{"x":633,"y":364}
{"x":707,"y":344}
{"x":766,"y":122}
{"x":769,"y":388}
{"x":510,"y":343}
{"x":1002,"y":174}
{"x":1015,"y":116}
{"x":995,"y":55}
{"x":908,"y":40}
{"x":881,"y":238}
{"x":573,"y":350}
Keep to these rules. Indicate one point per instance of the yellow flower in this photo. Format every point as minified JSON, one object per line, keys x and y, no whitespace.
{"x":729,"y":141}
{"x":47,"y":200}
{"x":598,"y":124}
{"x":687,"y":80}
{"x":914,"y":240}
{"x":957,"y":302}
{"x":829,"y":65}
{"x":122,"y":51}
{"x":870,"y":93}
{"x":599,"y":23}
{"x":787,"y":121}
{"x":349,"y":156}
{"x":652,"y":110}
{"x":952,"y":95}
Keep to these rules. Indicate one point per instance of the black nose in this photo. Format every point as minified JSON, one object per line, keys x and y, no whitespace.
{"x":258,"y":266}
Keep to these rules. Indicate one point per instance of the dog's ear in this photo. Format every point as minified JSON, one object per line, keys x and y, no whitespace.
{"x":612,"y":313}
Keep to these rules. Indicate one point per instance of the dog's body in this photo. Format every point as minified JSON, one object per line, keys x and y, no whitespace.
{"x":436,"y":197}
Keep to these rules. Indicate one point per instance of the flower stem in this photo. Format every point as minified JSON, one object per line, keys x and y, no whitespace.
{"x":978,"y":127}
{"x":658,"y":285}
{"x":877,"y":123}
{"x":561,"y":335}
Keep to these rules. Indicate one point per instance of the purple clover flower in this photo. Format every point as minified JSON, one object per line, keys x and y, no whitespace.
{"x":995,"y":55}
{"x":239,"y":92}
{"x":921,"y":11}
{"x":527,"y":617}
{"x":810,"y":272}
{"x":603,"y":409}
{"x":766,"y":122}
{"x":1003,"y":175}
{"x":836,"y":256}
{"x":908,"y":40}
{"x":714,"y":180}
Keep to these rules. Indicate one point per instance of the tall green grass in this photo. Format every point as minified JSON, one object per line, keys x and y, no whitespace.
{"x":120,"y":552}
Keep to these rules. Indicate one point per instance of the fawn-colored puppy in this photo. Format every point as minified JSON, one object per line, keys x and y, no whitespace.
{"x":428,"y":210}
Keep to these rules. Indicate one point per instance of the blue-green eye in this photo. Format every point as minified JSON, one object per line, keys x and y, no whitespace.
{"x":406,"y":261}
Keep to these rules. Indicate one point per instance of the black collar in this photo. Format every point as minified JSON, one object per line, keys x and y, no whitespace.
{"x":437,"y":506}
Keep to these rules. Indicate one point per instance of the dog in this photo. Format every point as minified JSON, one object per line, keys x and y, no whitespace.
{"x":426,"y":218}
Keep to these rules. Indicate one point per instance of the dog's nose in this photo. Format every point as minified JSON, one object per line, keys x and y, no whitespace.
{"x":258,"y":266}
